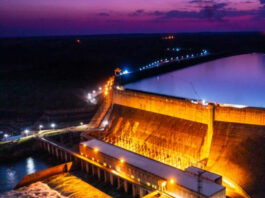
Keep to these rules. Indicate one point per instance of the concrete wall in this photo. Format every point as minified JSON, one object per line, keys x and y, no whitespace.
{"x":234,"y":140}
{"x":183,"y":109}
{"x":170,"y":106}
{"x":253,"y":116}
{"x":178,"y":141}
{"x":238,"y":153}
{"x":40,"y":175}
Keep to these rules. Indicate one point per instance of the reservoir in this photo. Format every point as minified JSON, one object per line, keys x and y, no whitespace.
{"x":236,"y":80}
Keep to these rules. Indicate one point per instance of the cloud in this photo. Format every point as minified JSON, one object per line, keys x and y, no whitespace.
{"x":212,"y":12}
{"x":209,"y":10}
{"x":104,"y":14}
{"x":157,"y":13}
{"x":137,"y":12}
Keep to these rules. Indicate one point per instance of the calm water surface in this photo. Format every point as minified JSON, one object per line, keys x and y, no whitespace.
{"x":12,"y":173}
{"x":238,"y":80}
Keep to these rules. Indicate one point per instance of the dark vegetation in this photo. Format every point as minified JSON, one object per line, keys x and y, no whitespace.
{"x":12,"y":151}
{"x":51,"y":73}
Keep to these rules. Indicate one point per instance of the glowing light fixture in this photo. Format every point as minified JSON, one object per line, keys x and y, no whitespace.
{"x":53,"y":125}
{"x":126,"y":72}
{"x":96,"y":150}
{"x":89,"y":96}
{"x":204,"y":102}
{"x":105,"y":123}
{"x":172,"y":181}
{"x":122,"y":160}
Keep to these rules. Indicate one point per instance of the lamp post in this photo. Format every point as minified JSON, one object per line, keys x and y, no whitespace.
{"x":26,"y":132}
{"x":53,"y":125}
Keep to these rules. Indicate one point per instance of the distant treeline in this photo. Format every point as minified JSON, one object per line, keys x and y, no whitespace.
{"x":94,"y":57}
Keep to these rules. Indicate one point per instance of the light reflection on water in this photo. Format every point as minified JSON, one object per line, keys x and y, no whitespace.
{"x":236,"y":80}
{"x":30,"y":168}
{"x":12,"y":173}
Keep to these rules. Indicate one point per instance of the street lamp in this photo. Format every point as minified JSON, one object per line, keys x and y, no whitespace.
{"x":6,"y":135}
{"x":40,"y":126}
{"x":53,"y":125}
{"x":89,"y":96}
{"x":26,"y":131}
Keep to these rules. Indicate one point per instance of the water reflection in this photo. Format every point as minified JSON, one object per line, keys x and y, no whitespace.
{"x":12,"y":173}
{"x":11,"y":176}
{"x":30,"y":168}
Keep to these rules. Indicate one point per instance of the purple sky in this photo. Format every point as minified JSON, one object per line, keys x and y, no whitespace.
{"x":64,"y":17}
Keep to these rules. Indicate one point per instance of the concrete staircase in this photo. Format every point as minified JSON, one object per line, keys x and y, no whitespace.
{"x":100,"y":114}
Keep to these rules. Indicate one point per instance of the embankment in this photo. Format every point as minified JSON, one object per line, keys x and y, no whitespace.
{"x":44,"y":174}
{"x":12,"y":151}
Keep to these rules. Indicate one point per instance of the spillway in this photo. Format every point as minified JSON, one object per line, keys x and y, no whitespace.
{"x":150,"y":134}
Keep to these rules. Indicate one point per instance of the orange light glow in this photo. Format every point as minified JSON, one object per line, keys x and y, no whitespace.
{"x":172,"y":181}
{"x":122,"y":160}
{"x":114,"y":172}
{"x":164,"y":183}
{"x":96,"y":150}
{"x":229,"y":183}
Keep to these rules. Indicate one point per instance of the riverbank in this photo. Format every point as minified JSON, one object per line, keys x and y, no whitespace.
{"x":14,"y":150}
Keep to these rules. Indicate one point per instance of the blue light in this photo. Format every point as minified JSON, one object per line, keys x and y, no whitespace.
{"x":125,"y":72}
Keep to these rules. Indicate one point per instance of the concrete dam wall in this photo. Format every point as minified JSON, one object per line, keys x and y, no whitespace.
{"x":185,"y":109}
{"x":225,"y":140}
{"x":150,"y":135}
{"x":237,"y":153}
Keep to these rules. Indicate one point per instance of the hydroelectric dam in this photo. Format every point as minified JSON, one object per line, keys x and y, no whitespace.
{"x":151,"y":138}
{"x":207,"y":140}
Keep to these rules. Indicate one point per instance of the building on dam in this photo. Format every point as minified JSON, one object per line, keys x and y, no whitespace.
{"x":153,"y":174}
